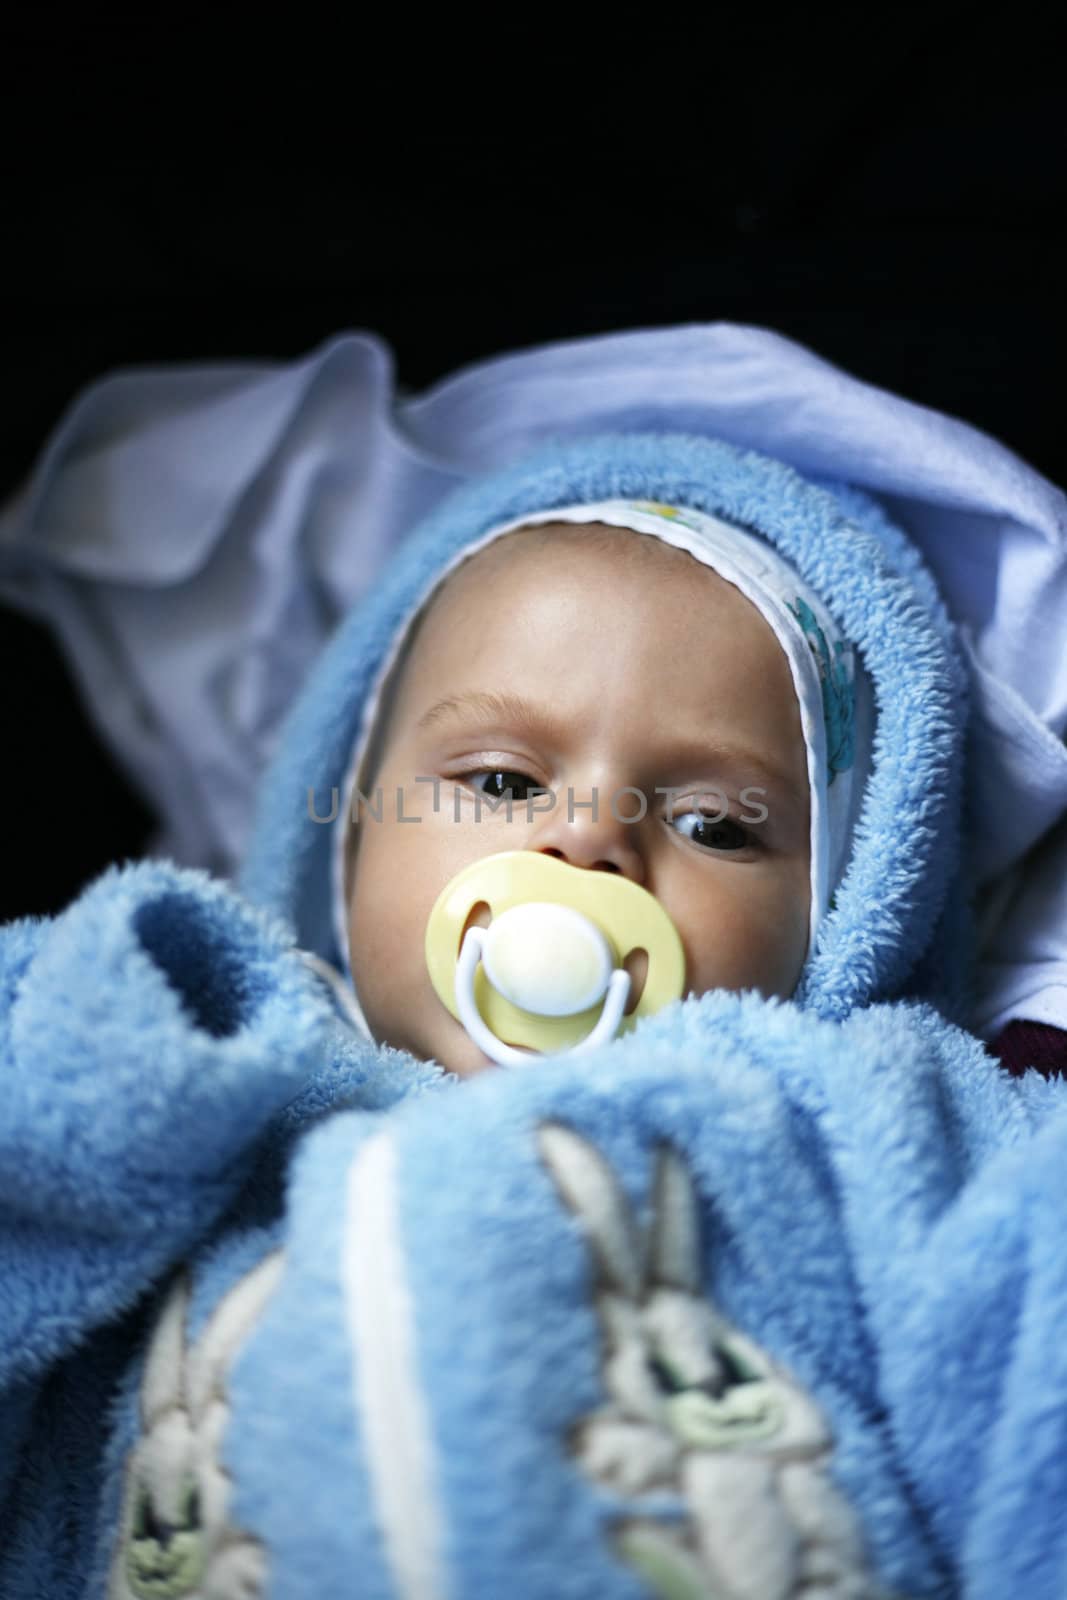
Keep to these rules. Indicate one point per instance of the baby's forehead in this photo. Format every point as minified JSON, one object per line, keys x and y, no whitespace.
{"x":634,"y":591}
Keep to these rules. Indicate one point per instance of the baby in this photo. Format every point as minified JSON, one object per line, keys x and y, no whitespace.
{"x":691,"y":1312}
{"x":560,"y":664}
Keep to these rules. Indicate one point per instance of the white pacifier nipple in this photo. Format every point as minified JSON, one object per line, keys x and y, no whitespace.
{"x":547,"y":958}
{"x":549,"y":961}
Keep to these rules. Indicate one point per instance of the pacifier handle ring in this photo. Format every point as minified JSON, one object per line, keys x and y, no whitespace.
{"x":506,"y":1055}
{"x":607,"y":1024}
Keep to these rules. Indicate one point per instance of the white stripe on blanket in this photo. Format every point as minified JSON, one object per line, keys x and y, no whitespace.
{"x":386,"y":1389}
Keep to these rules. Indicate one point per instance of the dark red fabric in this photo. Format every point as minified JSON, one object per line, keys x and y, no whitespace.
{"x":1031,"y":1044}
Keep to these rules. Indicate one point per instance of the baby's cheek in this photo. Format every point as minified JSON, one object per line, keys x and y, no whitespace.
{"x":785,"y":936}
{"x":749,"y":930}
{"x":396,"y":884}
{"x":376,"y":913}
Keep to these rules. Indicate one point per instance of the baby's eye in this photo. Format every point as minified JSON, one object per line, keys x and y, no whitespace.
{"x":713,"y":832}
{"x":501,"y":781}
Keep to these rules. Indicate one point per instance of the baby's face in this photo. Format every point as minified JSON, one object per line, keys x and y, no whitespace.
{"x":549,"y":662}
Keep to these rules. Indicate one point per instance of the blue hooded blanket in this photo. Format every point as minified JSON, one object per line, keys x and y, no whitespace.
{"x":760,"y":1301}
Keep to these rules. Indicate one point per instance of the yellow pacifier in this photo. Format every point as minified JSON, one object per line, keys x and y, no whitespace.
{"x":547,"y":974}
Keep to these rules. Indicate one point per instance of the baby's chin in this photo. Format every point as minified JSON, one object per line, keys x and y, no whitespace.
{"x":464,"y":1059}
{"x":449,"y":1046}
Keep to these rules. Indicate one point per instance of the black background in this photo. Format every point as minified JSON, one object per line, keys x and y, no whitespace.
{"x":888,"y":190}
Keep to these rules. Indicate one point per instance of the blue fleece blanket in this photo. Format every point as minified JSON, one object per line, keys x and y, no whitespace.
{"x":748,"y":1304}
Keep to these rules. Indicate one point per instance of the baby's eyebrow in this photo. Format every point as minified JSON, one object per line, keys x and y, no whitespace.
{"x":508,"y":707}
{"x":512,"y":708}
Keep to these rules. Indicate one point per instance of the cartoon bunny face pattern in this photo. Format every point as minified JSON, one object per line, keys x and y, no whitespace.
{"x":694,"y":1408}
{"x":175,"y":1536}
{"x":719,"y":1456}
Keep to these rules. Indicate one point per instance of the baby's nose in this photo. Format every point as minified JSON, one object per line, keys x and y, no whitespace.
{"x":591,"y":831}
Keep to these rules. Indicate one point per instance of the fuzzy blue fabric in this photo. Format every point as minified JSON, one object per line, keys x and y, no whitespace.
{"x":761,"y":1301}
